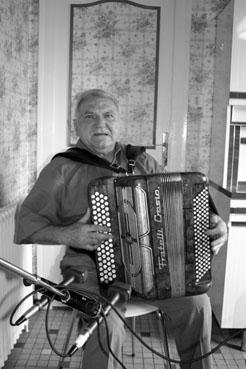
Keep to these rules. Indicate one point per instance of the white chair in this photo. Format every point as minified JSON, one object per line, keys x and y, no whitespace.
{"x":136,"y":308}
{"x":243,"y":347}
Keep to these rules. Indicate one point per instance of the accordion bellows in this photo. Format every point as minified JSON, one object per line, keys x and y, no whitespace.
{"x":159,"y":244}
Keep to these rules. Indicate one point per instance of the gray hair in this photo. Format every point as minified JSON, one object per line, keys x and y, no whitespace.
{"x":96,"y":93}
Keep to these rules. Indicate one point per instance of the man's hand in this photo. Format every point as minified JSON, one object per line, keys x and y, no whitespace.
{"x":79,"y":234}
{"x":217,"y":233}
{"x":88,"y":236}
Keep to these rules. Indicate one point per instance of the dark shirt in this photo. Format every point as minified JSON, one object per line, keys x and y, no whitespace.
{"x":60,"y":194}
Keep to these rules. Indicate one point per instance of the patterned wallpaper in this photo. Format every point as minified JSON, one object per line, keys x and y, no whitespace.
{"x":18,"y":80}
{"x":115,"y":47}
{"x":118,"y":53}
{"x":18,"y":97}
{"x":200,"y":106}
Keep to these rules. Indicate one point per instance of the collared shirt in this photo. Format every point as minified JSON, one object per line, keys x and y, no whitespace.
{"x":60,"y":194}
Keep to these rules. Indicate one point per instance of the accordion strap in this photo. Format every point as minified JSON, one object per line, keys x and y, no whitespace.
{"x":132,"y":152}
{"x":86,"y":157}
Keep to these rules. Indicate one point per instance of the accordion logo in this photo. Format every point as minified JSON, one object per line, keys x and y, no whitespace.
{"x":159,"y":232}
{"x":158,"y":216}
{"x":162,"y":258}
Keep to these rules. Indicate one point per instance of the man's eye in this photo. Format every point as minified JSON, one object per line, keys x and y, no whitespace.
{"x":109,"y":116}
{"x":89,"y":116}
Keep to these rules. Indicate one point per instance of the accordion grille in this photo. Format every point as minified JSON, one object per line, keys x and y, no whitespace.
{"x":202,"y":242}
{"x":105,"y":252}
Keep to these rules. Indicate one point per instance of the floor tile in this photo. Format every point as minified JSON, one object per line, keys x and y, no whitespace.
{"x":32,"y":351}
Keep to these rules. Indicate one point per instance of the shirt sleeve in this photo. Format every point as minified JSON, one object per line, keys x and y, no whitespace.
{"x":41,"y":207}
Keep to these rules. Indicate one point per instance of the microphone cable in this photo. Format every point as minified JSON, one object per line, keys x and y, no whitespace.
{"x":61,"y":354}
{"x":53,"y":348}
{"x":100,"y":340}
{"x":80,"y":291}
{"x":64,"y":355}
{"x":176,"y":361}
{"x":108,"y":342}
{"x":11,"y":322}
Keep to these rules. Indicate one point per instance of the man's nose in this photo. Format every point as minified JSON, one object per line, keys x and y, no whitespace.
{"x":100,"y":120}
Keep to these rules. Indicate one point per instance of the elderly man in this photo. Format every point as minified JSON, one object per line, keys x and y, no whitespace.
{"x":56,"y":212}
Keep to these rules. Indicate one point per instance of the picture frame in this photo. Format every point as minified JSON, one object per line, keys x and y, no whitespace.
{"x":114,"y":46}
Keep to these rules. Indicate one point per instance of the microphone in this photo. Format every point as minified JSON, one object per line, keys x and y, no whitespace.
{"x":38,"y":305}
{"x":120,"y":292}
{"x":81,"y":302}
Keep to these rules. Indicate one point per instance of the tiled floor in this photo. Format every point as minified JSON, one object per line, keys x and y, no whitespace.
{"x":32,"y":351}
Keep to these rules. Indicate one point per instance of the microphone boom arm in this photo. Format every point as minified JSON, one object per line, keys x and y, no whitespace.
{"x":33,"y":278}
{"x":89,"y":306}
{"x":82,"y":302}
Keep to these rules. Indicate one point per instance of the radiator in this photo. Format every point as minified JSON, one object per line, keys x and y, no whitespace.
{"x":12,"y":289}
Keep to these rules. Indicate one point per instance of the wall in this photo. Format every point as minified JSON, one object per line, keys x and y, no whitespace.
{"x":18,"y":136}
{"x":18,"y":97}
{"x":115,"y":46}
{"x":238,"y":62}
{"x":221,"y":94}
{"x":18,"y":91}
{"x":201,"y":82}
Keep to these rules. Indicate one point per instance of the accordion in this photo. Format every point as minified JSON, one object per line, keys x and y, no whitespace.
{"x":158,"y":222}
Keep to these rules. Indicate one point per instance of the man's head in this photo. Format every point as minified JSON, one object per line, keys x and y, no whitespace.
{"x":97,"y":121}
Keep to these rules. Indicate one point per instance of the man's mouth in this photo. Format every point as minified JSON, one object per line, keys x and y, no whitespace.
{"x":101,"y":134}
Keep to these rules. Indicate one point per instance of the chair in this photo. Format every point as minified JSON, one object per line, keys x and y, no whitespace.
{"x":136,"y":308}
{"x":243,"y":347}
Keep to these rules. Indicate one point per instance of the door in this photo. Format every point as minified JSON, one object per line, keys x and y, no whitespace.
{"x":53,"y":106}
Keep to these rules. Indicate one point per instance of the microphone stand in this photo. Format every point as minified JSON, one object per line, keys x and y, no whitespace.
{"x":35,"y":279}
{"x":120,"y":292}
{"x":87,"y":305}
{"x":88,"y":330}
{"x":41,"y":303}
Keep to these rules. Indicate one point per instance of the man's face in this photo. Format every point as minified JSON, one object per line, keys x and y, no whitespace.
{"x":98,"y":124}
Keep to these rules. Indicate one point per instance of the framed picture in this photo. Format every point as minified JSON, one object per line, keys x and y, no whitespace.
{"x":114,"y":45}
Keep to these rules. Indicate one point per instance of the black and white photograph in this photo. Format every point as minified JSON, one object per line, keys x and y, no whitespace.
{"x":122,"y":184}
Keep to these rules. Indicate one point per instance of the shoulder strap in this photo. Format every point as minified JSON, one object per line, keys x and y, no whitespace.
{"x":84,"y":156}
{"x":132,"y":152}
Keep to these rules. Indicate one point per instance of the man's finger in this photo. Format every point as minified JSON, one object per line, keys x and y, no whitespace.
{"x":99,"y":229}
{"x":91,"y":247}
{"x":212,"y":232}
{"x":215,"y":250}
{"x":98,"y":238}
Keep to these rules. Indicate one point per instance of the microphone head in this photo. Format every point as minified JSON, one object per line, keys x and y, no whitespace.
{"x":123,"y":289}
{"x":80,"y":276}
{"x":27,"y":282}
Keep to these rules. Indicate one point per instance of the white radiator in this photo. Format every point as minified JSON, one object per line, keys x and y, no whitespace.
{"x":12,"y":289}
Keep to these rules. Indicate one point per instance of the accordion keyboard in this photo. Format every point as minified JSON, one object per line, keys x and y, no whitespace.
{"x":201,"y":240}
{"x":105,"y":252}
